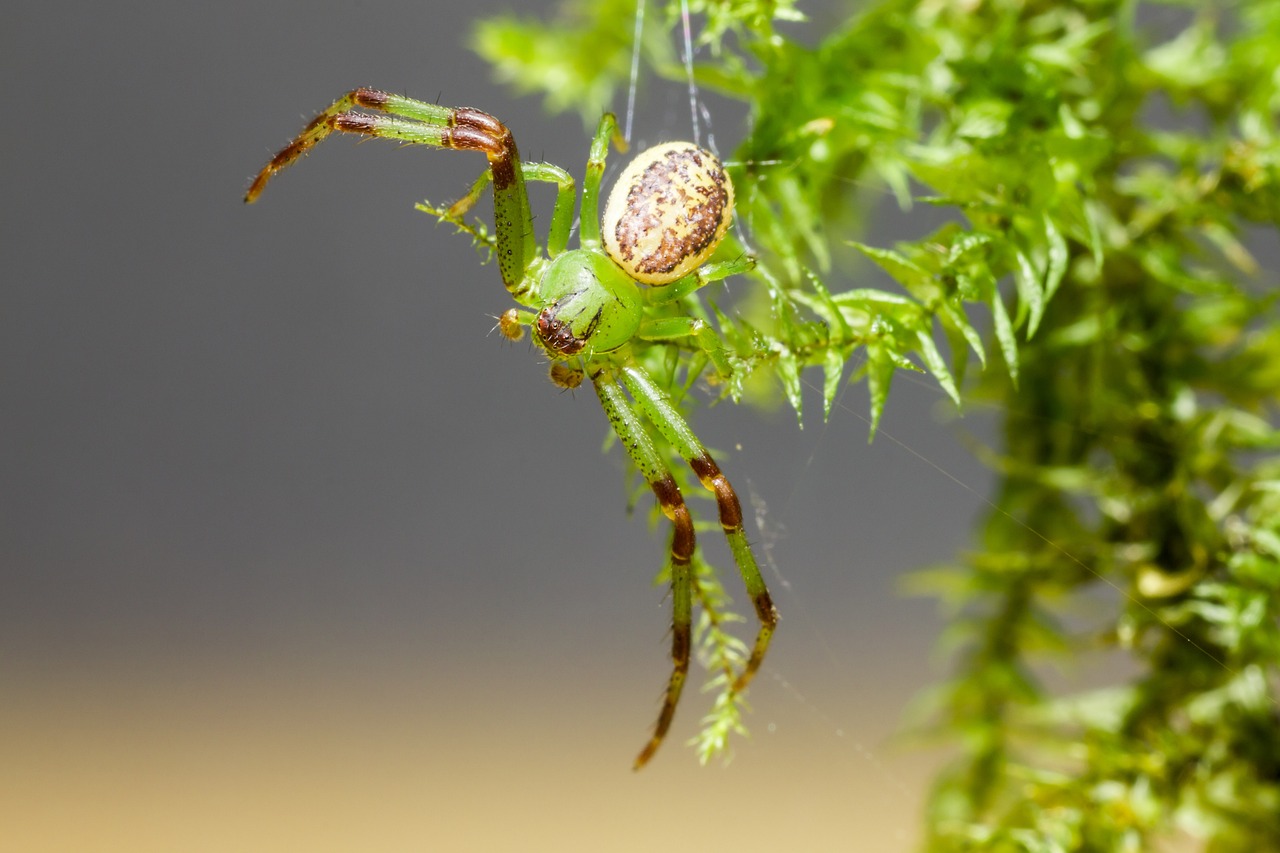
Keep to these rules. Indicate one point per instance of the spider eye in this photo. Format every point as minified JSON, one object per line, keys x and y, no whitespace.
{"x":667,"y":213}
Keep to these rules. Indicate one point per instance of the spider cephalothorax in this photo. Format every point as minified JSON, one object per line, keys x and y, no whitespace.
{"x":588,"y":304}
{"x":594,"y":308}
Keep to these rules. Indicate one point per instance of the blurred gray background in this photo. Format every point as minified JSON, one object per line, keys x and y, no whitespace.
{"x":296,"y":554}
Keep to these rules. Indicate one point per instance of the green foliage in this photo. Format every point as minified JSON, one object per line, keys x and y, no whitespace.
{"x":581,"y":61}
{"x":1104,"y":178}
{"x":578,"y":65}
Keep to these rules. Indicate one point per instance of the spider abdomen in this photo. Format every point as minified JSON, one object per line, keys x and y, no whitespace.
{"x":667,"y":213}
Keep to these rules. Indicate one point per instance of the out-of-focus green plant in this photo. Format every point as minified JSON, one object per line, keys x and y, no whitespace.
{"x":1108,"y":166}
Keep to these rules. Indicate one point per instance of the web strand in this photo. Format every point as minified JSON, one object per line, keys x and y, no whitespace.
{"x":635,"y":68}
{"x":688,"y":68}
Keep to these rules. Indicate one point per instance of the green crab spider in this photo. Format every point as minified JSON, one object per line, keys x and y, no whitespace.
{"x":592,"y":309}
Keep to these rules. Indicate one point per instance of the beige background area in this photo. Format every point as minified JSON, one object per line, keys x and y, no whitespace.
{"x":373,"y":762}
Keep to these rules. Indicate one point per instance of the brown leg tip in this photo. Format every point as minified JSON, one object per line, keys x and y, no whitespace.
{"x":643,"y":758}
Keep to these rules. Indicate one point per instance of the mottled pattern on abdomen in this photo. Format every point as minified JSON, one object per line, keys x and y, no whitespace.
{"x":668,"y":212}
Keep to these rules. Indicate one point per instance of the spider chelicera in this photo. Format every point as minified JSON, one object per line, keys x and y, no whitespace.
{"x":594,"y":310}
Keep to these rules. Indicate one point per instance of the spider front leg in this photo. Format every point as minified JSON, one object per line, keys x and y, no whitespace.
{"x":422,"y":123}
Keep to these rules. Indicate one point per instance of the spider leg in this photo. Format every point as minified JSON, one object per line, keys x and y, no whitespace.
{"x":700,"y":331}
{"x":422,"y":123}
{"x":561,"y":214}
{"x":606,"y":132}
{"x":657,"y":407}
{"x":626,"y":423}
{"x":693,"y":323}
{"x":699,"y":278}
